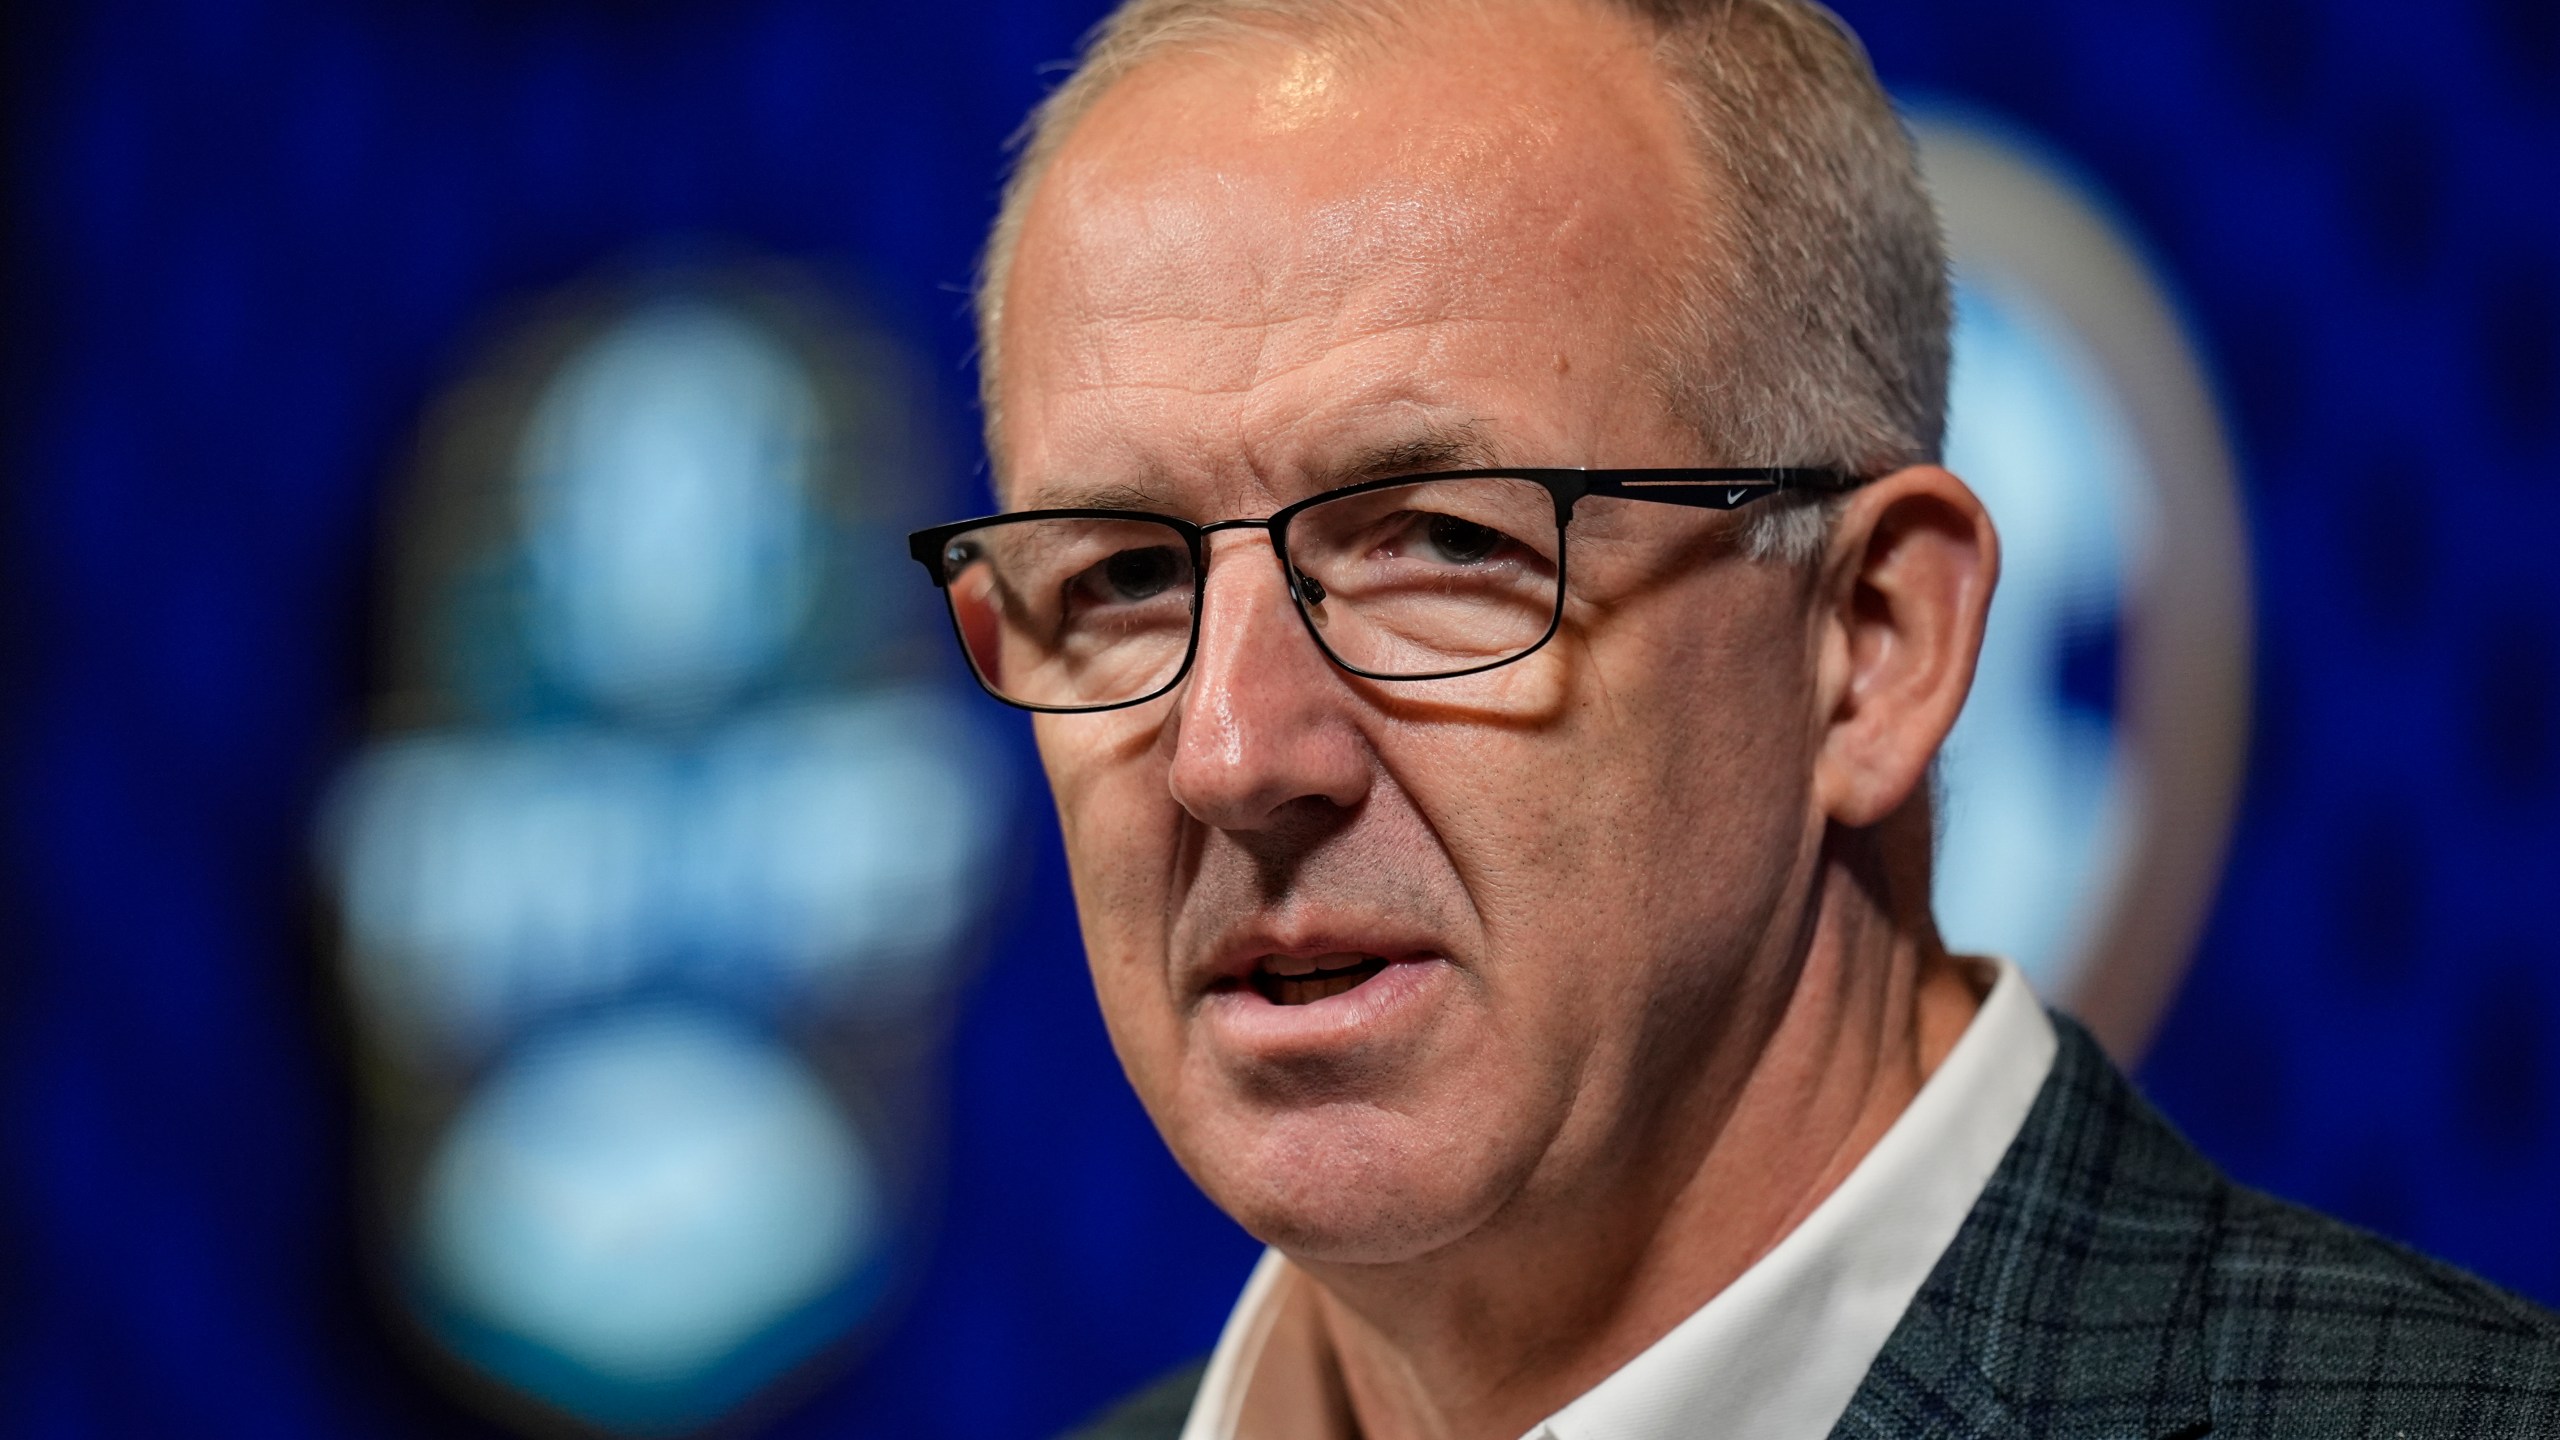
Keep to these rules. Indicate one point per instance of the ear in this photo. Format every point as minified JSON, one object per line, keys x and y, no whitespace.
{"x":1906,"y":589}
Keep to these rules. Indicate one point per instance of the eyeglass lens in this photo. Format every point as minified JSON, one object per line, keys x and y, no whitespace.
{"x":1402,"y":582}
{"x":1432,"y":578}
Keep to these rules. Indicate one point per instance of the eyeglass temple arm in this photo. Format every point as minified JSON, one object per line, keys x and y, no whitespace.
{"x":926,"y":546}
{"x":1714,"y":489}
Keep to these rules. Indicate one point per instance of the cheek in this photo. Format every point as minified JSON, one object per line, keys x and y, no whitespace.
{"x":1716,"y":728}
{"x":1113,"y":816}
{"x":1654,"y":813}
{"x":1144,"y":1028}
{"x":1116,"y":819}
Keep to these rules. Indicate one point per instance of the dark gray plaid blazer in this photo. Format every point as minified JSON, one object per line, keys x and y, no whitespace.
{"x":2112,"y":1283}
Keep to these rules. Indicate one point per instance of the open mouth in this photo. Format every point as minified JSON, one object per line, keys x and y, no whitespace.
{"x":1305,"y":979}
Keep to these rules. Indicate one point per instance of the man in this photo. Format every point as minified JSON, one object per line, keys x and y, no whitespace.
{"x":1530,"y":940}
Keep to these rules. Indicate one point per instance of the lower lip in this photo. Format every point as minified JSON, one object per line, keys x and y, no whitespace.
{"x":1395,"y":999}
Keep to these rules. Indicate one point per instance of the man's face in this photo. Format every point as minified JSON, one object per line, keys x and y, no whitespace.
{"x":1257,"y":274}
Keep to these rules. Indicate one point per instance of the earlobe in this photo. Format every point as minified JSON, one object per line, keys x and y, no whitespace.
{"x":1906,"y":592}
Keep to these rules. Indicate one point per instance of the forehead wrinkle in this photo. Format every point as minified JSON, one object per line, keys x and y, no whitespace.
{"x":1144,"y":244}
{"x":1247,"y":360}
{"x":1185,"y":258}
{"x":1300,"y":308}
{"x":1154,"y":246}
{"x":1283,"y":427}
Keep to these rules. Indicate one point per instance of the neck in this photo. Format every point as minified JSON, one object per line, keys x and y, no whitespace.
{"x":1489,"y":1337}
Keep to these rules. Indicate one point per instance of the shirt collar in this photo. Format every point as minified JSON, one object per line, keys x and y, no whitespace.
{"x":1778,"y":1354}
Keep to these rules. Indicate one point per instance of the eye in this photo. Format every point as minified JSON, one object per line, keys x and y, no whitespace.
{"x":1462,"y":542}
{"x":1129,"y":577}
{"x":1140,"y":574}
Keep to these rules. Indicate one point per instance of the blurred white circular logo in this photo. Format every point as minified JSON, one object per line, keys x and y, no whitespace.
{"x":2088,"y":788}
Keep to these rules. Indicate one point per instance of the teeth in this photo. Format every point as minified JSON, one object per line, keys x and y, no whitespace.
{"x":1294,"y":965}
{"x":1307,"y":992}
{"x":1303,"y":980}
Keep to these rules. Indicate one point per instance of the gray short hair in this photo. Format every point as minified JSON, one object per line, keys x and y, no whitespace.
{"x":1812,"y":327}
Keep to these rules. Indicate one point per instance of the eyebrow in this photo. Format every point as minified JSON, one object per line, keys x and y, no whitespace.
{"x":1103,"y":495}
{"x":1436,"y":445}
{"x":1442,"y":445}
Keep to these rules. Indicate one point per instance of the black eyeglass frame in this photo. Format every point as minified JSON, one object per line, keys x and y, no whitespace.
{"x":1700,"y":488}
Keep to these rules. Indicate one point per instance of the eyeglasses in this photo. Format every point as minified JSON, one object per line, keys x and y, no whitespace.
{"x":1419,"y":577}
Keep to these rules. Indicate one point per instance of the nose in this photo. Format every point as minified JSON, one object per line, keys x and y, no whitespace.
{"x":1264,"y":725}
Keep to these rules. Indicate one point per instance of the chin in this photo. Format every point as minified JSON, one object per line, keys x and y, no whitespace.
{"x":1357,"y":1183}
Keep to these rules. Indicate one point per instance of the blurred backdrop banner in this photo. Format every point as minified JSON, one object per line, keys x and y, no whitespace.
{"x":518,"y":923}
{"x":658,"y":875}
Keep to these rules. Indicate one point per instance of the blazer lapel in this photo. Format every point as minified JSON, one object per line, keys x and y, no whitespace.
{"x":1925,"y":1386}
{"x":2071,"y":1302}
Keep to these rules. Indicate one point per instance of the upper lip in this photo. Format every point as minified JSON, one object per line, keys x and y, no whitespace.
{"x":1235,"y":959}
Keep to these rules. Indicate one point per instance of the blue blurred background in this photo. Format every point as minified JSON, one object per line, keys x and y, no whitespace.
{"x":258,"y":246}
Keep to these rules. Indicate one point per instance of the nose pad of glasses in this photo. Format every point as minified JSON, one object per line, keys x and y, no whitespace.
{"x":1310,"y":590}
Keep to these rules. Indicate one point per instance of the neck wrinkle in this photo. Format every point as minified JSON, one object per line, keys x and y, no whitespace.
{"x":1485,"y":1344}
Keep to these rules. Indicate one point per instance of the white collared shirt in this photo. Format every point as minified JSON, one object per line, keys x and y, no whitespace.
{"x":1778,"y":1354}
